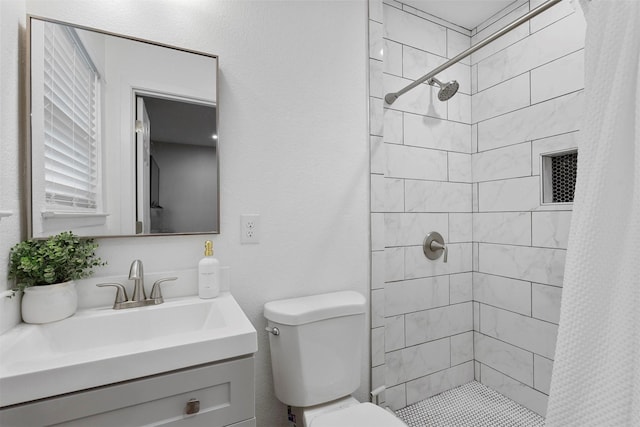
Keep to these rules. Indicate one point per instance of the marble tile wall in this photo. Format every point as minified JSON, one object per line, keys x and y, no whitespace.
{"x":527,"y":100}
{"x":427,"y":315}
{"x":470,"y":169}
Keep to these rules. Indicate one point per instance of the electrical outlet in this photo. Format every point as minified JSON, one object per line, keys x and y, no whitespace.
{"x":250,"y":228}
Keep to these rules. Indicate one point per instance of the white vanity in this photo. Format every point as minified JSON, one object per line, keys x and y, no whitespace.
{"x":187,"y":362}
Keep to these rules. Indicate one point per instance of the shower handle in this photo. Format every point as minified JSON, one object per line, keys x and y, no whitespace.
{"x":434,"y":246}
{"x":438,"y":246}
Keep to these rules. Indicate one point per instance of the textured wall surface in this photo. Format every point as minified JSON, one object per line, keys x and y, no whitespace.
{"x":293,"y":146}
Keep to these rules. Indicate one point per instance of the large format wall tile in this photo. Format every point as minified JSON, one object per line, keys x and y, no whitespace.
{"x":411,"y":30}
{"x":429,"y":17}
{"x":417,"y":361}
{"x":459,"y":108}
{"x":377,"y":269}
{"x":414,"y":295}
{"x":394,"y":264}
{"x":375,"y":83}
{"x":416,"y":63}
{"x":553,"y":117}
{"x":375,"y":40}
{"x":417,"y":265}
{"x":545,"y":302}
{"x":416,"y":163}
{"x":377,"y":308}
{"x":550,"y":229}
{"x":497,"y":17}
{"x":377,"y":193}
{"x":552,"y":15}
{"x":393,"y":126}
{"x":394,"y":333}
{"x":507,"y":96}
{"x":377,"y":346}
{"x":396,"y":397}
{"x":541,"y":265}
{"x":562,"y":76}
{"x":460,"y":287}
{"x":518,"y":194}
{"x":378,"y":155}
{"x":376,"y":120}
{"x":429,"y":132}
{"x":406,"y":229}
{"x":502,"y":292}
{"x":430,"y":196}
{"x":512,"y":161}
{"x":378,"y":379}
{"x":515,"y":390}
{"x":392,"y":58}
{"x":377,"y":231}
{"x":429,"y":325}
{"x":523,"y":331}
{"x":462,"y":348}
{"x":511,"y":360}
{"x":457,"y":43}
{"x":444,"y":380}
{"x":508,"y":39}
{"x":510,"y":228}
{"x":562,"y":37}
{"x":394,"y":192}
{"x":459,"y":167}
{"x":460,"y":228}
{"x":542,"y":368}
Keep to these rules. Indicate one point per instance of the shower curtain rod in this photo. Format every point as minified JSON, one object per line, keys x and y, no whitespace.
{"x":392,"y":96}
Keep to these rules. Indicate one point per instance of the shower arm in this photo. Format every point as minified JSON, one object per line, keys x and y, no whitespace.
{"x":391,"y":97}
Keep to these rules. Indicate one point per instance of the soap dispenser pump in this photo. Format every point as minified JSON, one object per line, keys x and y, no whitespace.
{"x":208,"y":273}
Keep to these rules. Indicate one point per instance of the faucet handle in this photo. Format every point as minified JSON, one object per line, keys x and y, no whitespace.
{"x":156,"y":290}
{"x":433,"y":246}
{"x":121,"y":294}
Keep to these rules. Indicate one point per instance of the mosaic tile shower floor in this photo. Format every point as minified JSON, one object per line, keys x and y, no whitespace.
{"x":471,"y":404}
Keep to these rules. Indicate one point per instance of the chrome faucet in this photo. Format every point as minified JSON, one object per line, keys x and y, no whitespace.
{"x":139,"y":298}
{"x":136,"y":273}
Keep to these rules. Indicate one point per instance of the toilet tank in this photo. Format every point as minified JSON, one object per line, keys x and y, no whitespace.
{"x":317,"y":355}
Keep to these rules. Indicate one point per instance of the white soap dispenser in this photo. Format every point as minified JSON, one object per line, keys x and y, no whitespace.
{"x":208,"y":273}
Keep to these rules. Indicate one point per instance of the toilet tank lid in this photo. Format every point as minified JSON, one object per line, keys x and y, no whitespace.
{"x":298,"y":311}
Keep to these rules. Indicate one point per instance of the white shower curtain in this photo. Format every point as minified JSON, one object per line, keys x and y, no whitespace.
{"x":596,"y":374}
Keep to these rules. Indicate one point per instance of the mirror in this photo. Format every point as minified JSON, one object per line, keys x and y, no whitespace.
{"x":123,"y":135}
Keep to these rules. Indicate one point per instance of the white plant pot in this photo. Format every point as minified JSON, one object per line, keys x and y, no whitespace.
{"x":49,"y":303}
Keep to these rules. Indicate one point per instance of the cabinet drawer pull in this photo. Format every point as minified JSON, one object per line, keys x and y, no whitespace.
{"x":193,"y":406}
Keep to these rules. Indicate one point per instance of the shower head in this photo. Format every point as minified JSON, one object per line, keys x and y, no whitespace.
{"x":447,"y":90}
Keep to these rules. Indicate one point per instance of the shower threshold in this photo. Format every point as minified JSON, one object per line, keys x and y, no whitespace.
{"x":472,"y":404}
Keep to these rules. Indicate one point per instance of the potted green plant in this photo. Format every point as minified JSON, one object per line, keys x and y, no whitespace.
{"x":46,"y":269}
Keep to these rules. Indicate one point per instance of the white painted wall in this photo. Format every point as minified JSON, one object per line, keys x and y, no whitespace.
{"x":12,"y":28}
{"x":293,"y":145}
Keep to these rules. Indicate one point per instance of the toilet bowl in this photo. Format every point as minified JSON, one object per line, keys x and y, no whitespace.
{"x":316,"y":345}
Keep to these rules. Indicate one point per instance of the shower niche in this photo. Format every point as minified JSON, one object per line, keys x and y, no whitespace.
{"x":558,"y":176}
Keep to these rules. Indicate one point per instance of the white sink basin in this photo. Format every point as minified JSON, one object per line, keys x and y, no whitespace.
{"x":102,"y":346}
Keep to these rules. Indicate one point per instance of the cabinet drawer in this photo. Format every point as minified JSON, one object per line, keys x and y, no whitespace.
{"x":225,"y":393}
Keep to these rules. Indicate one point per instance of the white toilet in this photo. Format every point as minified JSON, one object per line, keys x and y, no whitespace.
{"x":316,"y":353}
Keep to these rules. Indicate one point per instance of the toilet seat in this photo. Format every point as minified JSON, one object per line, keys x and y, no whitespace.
{"x":360,"y":415}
